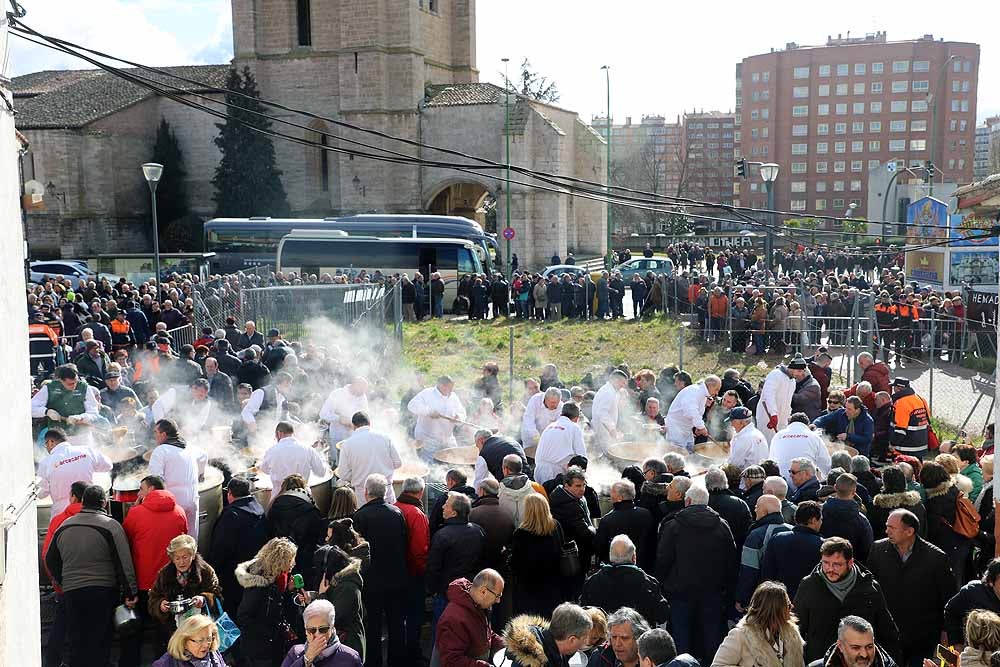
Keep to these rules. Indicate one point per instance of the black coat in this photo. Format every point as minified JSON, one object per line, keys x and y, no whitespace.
{"x":940,"y":506}
{"x":384,"y":528}
{"x":261,"y":612}
{"x":652,"y":493}
{"x":808,"y":491}
{"x":974,"y":595}
{"x":734,"y":510}
{"x":819,"y":612}
{"x":790,"y":556}
{"x":843,"y":518}
{"x":884,"y":503}
{"x":221,"y":389}
{"x":436,"y":516}
{"x":626,"y":519}
{"x":534,"y":562}
{"x":228,"y":363}
{"x":572,"y":514}
{"x":616,"y":586}
{"x":495,"y":449}
{"x":457,"y":550}
{"x":753,"y":494}
{"x":696,"y":554}
{"x":294,"y":515}
{"x":916,"y":591}
{"x":244,"y":341}
{"x":238,"y":535}
{"x":589,"y":495}
{"x":254,"y":374}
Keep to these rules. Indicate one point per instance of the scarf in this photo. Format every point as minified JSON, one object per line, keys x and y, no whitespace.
{"x":182,"y":577}
{"x":281,"y":581}
{"x":841,"y":588}
{"x":207,"y":661}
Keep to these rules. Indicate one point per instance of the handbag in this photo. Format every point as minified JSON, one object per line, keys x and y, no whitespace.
{"x":569,"y":560}
{"x":228,"y":632}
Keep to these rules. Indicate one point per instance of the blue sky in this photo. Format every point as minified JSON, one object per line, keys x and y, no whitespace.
{"x":666,"y":57}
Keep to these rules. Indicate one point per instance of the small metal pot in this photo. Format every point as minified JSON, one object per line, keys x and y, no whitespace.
{"x":126,"y":621}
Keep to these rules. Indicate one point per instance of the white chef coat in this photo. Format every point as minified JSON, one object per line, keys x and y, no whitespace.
{"x":687,"y":412}
{"x":341,"y":404}
{"x":560,"y":441}
{"x":366,"y":453}
{"x":290,"y":457}
{"x":748,"y":447}
{"x":180,"y":469}
{"x":604,"y":413}
{"x":799,"y":440}
{"x":775,"y":399}
{"x":256,"y":400}
{"x":66,"y":464}
{"x":89,"y":416}
{"x":193,"y":416}
{"x":536,"y":418}
{"x":435,"y":432}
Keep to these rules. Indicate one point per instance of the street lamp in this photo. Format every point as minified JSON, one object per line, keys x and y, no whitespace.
{"x":153,"y":171}
{"x":932,"y":98}
{"x":607,"y":78}
{"x":769,"y":174}
{"x":506,"y":135}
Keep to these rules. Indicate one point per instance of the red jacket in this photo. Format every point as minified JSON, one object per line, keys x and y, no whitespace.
{"x":150,"y":526}
{"x":418,"y":534}
{"x":878,"y":375}
{"x":71,"y":510}
{"x":464,"y":635}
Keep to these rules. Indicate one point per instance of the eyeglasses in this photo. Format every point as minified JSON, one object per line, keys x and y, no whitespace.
{"x":202,"y":642}
{"x":793,"y":473}
{"x":321,"y":630}
{"x":496,"y":595}
{"x":833,"y":402}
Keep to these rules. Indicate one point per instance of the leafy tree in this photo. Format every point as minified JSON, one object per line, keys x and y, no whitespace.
{"x":533,"y":85}
{"x":247,"y":181}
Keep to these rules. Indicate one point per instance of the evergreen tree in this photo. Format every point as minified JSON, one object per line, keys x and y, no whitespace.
{"x":247,"y":181}
{"x":171,"y":192}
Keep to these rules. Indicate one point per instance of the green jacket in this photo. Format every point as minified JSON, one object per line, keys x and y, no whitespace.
{"x":975,"y":473}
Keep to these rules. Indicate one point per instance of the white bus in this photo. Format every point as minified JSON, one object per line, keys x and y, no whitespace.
{"x":333,"y":252}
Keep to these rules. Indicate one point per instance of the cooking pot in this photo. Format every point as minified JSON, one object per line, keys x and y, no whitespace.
{"x":125,"y":490}
{"x":319,"y":487}
{"x":711,"y":453}
{"x":623,"y":454}
{"x":458,"y":456}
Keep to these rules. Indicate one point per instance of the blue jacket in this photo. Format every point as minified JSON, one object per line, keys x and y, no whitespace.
{"x":790,"y":556}
{"x":753,"y":554}
{"x":836,"y":422}
{"x":843,"y":518}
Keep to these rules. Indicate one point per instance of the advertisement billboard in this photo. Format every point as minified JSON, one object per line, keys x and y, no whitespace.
{"x":969,"y":230}
{"x":974,"y":267}
{"x":928,"y":220}
{"x":925,"y":266}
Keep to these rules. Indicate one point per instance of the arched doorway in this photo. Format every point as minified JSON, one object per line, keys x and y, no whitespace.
{"x":467,"y":200}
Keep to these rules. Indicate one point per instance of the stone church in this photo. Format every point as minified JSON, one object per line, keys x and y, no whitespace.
{"x":404,"y":67}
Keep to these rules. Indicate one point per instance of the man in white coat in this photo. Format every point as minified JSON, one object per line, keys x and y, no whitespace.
{"x":749,"y":446}
{"x":268,"y":402}
{"x":686,"y":416}
{"x":436,"y":409}
{"x":66,"y":463}
{"x":560,"y":442}
{"x":775,"y":405}
{"x":541,"y":410}
{"x":340,"y":406}
{"x":287,"y":456}
{"x":193,"y":412}
{"x":798,"y":440}
{"x":180,"y":467}
{"x":604,"y":412}
{"x":366,"y":453}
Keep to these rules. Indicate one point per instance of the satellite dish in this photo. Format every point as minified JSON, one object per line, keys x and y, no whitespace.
{"x":34,"y":190}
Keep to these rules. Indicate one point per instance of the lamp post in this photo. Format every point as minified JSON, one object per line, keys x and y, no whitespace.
{"x":609,"y":260}
{"x":769,"y":174}
{"x":933,"y":99}
{"x":506,"y":135}
{"x":153,"y":171}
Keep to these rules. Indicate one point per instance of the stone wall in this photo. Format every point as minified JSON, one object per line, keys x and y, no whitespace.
{"x":55,"y":236}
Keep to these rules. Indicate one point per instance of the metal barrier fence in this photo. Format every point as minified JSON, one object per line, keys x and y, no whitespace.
{"x":181,"y":336}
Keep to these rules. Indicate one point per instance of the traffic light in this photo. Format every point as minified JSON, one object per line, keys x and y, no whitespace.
{"x":741,"y":168}
{"x":930,"y":170}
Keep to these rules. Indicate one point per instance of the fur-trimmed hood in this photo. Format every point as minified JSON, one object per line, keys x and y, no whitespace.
{"x":524,"y":640}
{"x":351,"y":571}
{"x":940,"y":489}
{"x":655,"y":488}
{"x":896,"y":500}
{"x":248,"y":578}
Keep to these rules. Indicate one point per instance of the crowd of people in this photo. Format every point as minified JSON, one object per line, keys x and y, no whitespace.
{"x":836,"y":528}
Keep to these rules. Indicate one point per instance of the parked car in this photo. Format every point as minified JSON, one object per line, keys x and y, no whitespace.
{"x":76,"y":270}
{"x":559,"y":269}
{"x":640,"y":265}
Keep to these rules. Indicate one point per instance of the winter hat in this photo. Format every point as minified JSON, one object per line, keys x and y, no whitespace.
{"x":797,"y":363}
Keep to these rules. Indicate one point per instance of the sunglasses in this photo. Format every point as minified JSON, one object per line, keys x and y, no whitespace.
{"x":321,"y":630}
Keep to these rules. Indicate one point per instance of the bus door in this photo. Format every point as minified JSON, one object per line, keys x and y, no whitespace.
{"x":428,"y":257}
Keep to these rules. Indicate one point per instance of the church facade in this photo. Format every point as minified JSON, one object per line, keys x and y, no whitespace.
{"x":406,"y":68}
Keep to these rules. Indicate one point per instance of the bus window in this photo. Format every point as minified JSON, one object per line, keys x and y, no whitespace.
{"x":467,"y":262}
{"x":428,"y":257}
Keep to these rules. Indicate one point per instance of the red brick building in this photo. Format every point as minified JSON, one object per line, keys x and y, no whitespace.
{"x":709,"y":139}
{"x":829,"y":114}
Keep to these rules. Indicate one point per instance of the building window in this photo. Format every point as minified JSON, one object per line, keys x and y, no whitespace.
{"x":921,"y":65}
{"x":801,"y":110}
{"x":918,"y":126}
{"x":824,"y":70}
{"x":800,"y":130}
{"x":800,"y":73}
{"x":858,"y":127}
{"x":304,"y":21}
{"x":857,"y":146}
{"x":822,"y":147}
{"x":822,"y":167}
{"x":965,"y":86}
{"x":842,"y":70}
{"x":838,"y":186}
{"x":841,"y":110}
{"x":857,"y":165}
{"x":898,"y":106}
{"x":823,"y":90}
{"x":875,"y":126}
{"x":798,"y":205}
{"x":839,"y":167}
{"x":873,"y":164}
{"x":878,"y":68}
{"x":823,"y":128}
{"x":840,"y":128}
{"x":957,"y":66}
{"x":961,"y":163}
{"x":840,"y":147}
{"x":897,"y":126}
{"x":897,"y":145}
{"x":875,"y":107}
{"x":918,"y":105}
{"x":858,"y":108}
{"x":921,"y":86}
{"x":876,"y":87}
{"x":820,"y":186}
{"x":838,"y":203}
{"x":841,"y":88}
{"x":859,"y":88}
{"x":763,"y":132}
{"x":799,"y":167}
{"x":962,"y":124}
{"x":918,"y":144}
{"x":765,"y":113}
{"x":965,"y":106}
{"x":753,"y":133}
{"x":875,"y":145}
{"x":951,"y":163}
{"x":798,"y":186}
{"x":954,"y":105}
{"x":900,"y":66}
{"x":754,"y":114}
{"x":755,"y":77}
{"x":800,"y":149}
{"x":859,"y":69}
{"x":766,"y":77}
{"x":800,"y":92}
{"x":900,"y":86}
{"x":822,"y":110}
{"x":820,"y":204}
{"x":855,"y":186}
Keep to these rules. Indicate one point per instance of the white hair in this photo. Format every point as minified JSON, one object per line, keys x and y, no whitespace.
{"x":622,"y":550}
{"x":624,"y":488}
{"x":674,"y":461}
{"x":322,"y":609}
{"x":698,"y":495}
{"x":776,"y":486}
{"x":375,"y":486}
{"x":715,"y":479}
{"x":682,"y":483}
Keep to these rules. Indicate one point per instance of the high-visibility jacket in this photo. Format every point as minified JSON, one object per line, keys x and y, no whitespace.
{"x":886,"y":315}
{"x":911,"y":418}
{"x":121,"y":334}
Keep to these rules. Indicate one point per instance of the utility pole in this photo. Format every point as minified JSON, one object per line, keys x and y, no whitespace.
{"x":609,"y":260}
{"x":506,"y":134}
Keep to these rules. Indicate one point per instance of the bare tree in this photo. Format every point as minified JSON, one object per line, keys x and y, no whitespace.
{"x":533,"y":85}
